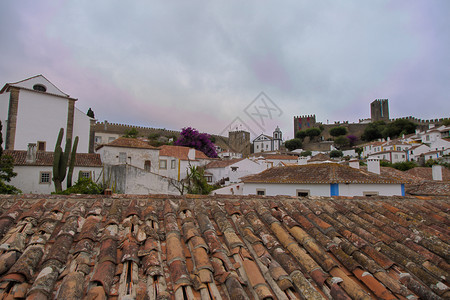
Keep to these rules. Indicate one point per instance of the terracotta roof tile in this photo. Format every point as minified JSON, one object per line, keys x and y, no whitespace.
{"x":46,"y":159}
{"x":239,"y":247}
{"x":222,"y":163}
{"x":318,"y":173}
{"x":180,"y":152}
{"x":128,"y":143}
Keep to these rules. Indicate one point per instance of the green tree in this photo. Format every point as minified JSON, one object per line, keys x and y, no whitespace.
{"x":404,"y":165}
{"x":90,"y":113}
{"x":306,"y":153}
{"x":300,"y":135}
{"x":446,"y":122}
{"x":197,"y":182}
{"x":359,"y":150}
{"x":6,"y":170}
{"x":293,"y":144}
{"x":398,"y":127}
{"x":336,"y":153}
{"x":132,"y":133}
{"x":373,"y":131}
{"x":341,"y":141}
{"x":337,"y":131}
{"x":312,"y":133}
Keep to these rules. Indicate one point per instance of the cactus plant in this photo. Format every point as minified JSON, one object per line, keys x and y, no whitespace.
{"x":72,"y":162}
{"x":60,"y":160}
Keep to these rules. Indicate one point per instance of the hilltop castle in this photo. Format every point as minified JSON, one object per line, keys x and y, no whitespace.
{"x":379,"y":111}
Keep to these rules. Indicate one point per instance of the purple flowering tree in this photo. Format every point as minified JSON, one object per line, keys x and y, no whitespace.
{"x":190,"y":137}
{"x":352,"y":139}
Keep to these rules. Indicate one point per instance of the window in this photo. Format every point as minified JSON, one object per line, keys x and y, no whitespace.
{"x":39,"y":88}
{"x":85,"y":174}
{"x":147,"y":165}
{"x":163,"y":164}
{"x":302,"y":193}
{"x":98,"y":139}
{"x":110,"y":139}
{"x":45,"y":177}
{"x":122,"y":157}
{"x":370,"y":194}
{"x":41,"y":146}
{"x":173,"y":164}
{"x":260,"y":192}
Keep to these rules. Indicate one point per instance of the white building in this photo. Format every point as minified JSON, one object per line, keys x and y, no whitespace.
{"x":327,"y":179}
{"x":230,"y":171}
{"x":265,"y":143}
{"x":392,"y":156}
{"x":35,"y":170}
{"x":174,"y":161}
{"x":33,"y":111}
{"x":130,"y":151}
{"x":414,"y":153}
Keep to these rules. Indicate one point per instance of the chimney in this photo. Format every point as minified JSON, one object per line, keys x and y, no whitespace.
{"x":301,"y":160}
{"x":354,"y":163}
{"x":191,"y":154}
{"x":373,"y":165}
{"x":31,"y":153}
{"x":437,"y":172}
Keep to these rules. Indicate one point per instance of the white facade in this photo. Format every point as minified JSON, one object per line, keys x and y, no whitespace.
{"x":40,"y":115}
{"x":262,"y":143}
{"x":133,"y":180}
{"x":28,"y":178}
{"x":146,"y":159}
{"x":236,"y":170}
{"x":391,"y":156}
{"x":415,"y":152}
{"x":348,"y":190}
{"x":233,"y":189}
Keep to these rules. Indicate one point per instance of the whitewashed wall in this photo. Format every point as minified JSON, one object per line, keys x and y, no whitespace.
{"x":275,"y":189}
{"x":352,"y":190}
{"x":81,"y":128}
{"x":349,"y":190}
{"x":4,"y":106}
{"x":28,"y":178}
{"x":135,"y":157}
{"x":39,"y":118}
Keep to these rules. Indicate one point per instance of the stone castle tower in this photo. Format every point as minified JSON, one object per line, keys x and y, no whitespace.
{"x":239,"y":141}
{"x":304,"y":122}
{"x":379,"y":110}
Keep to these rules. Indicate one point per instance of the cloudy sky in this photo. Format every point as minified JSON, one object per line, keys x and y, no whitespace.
{"x":172,"y":64}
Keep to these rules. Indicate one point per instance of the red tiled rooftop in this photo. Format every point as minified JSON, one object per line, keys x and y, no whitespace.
{"x":128,"y":143}
{"x":222,"y":163}
{"x":160,"y":247}
{"x":425,"y":173}
{"x":318,"y":173}
{"x":46,"y":158}
{"x":180,"y":152}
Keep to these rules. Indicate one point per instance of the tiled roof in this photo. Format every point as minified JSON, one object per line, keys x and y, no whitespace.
{"x":46,"y":158}
{"x":318,"y":173}
{"x":222,"y":163}
{"x":180,"y":152}
{"x":401,"y":175}
{"x":425,"y":173}
{"x":319,"y":157}
{"x":280,"y":156}
{"x":429,"y":188}
{"x":128,"y":143}
{"x":154,"y":247}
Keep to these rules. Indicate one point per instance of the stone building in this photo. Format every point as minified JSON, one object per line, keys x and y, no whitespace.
{"x":379,"y":110}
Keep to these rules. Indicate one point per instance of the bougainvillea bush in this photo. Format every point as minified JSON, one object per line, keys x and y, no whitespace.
{"x":190,"y":137}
